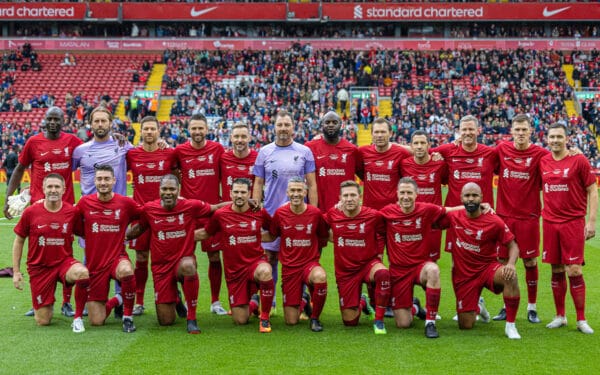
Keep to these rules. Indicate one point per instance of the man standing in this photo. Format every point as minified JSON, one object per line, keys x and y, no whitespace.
{"x":148,"y":164}
{"x":518,"y":203}
{"x":45,"y":153}
{"x":49,"y":226}
{"x":429,"y":176}
{"x":198,"y":161}
{"x":301,"y":227}
{"x":275,"y":164}
{"x":9,"y":164}
{"x":474,"y":258}
{"x":357,"y":258}
{"x":171,"y":222}
{"x":104,"y":220}
{"x":381,"y":166}
{"x":246,"y":268}
{"x":237,"y":162}
{"x":569,"y":188}
{"x":336,"y":160}
{"x":408,"y":223}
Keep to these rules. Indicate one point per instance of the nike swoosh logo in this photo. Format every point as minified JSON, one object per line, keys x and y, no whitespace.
{"x":550,"y":13}
{"x":573,"y":258}
{"x":545,"y":173}
{"x":321,"y":157}
{"x":230,"y":166}
{"x":198,"y":13}
{"x":287,"y":226}
{"x":530,"y":252}
{"x":93,"y":212}
{"x":41,"y":226}
{"x":230,"y":225}
{"x":44,"y":153}
{"x":157,"y":221}
{"x":431,"y":255}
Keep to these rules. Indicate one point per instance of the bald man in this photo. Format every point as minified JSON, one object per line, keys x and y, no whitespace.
{"x":475,"y":263}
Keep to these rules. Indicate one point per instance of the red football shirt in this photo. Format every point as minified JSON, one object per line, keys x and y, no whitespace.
{"x":381,"y":174}
{"x":240,"y":238}
{"x":406,"y":233}
{"x":233,"y":167}
{"x":50,"y":234}
{"x":172,"y":231}
{"x":354,"y":239}
{"x":429,"y":178}
{"x":300,"y":234}
{"x":334,"y":165}
{"x":565,"y":185}
{"x":519,"y":181}
{"x":478,"y":166}
{"x":104,"y":226}
{"x":148,"y":167}
{"x":200,"y":171}
{"x":475,"y":242}
{"x":45,"y":156}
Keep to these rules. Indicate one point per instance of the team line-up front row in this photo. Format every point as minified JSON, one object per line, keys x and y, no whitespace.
{"x":355,"y":230}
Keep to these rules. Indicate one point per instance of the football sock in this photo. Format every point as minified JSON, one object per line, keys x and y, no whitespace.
{"x":432,"y":302}
{"x":577,"y":286}
{"x":128,"y":289}
{"x":141,"y":277}
{"x":81,"y":295}
{"x":559,"y":292}
{"x":382,"y":292}
{"x":191,"y":286}
{"x":67,"y":290}
{"x":318,"y":297}
{"x":112,"y":303}
{"x":267,"y":289}
{"x":512,"y":306}
{"x":215,"y":274}
{"x":531,"y":278}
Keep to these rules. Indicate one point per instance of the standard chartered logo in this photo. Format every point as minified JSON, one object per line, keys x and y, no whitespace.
{"x":358,"y":12}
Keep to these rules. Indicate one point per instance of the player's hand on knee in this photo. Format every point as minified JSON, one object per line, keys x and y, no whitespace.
{"x":509,"y":272}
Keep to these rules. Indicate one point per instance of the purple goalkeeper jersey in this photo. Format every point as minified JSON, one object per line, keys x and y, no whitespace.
{"x":91,"y":153}
{"x":276,"y":165}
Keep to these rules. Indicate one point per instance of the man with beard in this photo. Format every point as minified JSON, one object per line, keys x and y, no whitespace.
{"x":148,"y":163}
{"x":237,"y":162}
{"x":246,"y":268}
{"x":198,"y":161}
{"x":275,"y":164}
{"x":474,"y":260}
{"x":45,"y":153}
{"x":336,"y":160}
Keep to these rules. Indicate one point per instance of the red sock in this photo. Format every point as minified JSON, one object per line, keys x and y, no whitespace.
{"x":141,"y":277}
{"x":267,"y":289}
{"x":215,"y":272}
{"x":382,"y":292}
{"x":128,"y":293}
{"x":319,"y":295}
{"x":531,"y":278}
{"x":512,"y":306}
{"x":253,"y":307}
{"x":81,"y":296}
{"x":67,"y":290}
{"x":432,"y":302}
{"x":559,"y":292}
{"x":577,"y":286}
{"x":191,"y":287}
{"x":111,"y":304}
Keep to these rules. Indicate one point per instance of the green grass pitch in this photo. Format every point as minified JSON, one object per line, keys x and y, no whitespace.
{"x":223,"y":347}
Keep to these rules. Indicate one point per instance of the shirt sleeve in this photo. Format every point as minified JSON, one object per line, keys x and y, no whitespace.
{"x":213,"y":225}
{"x":259,"y":165}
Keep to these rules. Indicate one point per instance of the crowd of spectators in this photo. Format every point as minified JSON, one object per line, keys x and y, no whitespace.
{"x":314,"y":30}
{"x":429,"y":91}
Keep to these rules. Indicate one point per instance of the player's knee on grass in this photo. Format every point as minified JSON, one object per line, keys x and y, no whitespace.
{"x":350,"y":317}
{"x":165,"y":313}
{"x":403,"y":318}
{"x":240,"y":315}
{"x":291,"y":315}
{"x":466,"y":320}
{"x":43,"y":316}
{"x":96,"y":313}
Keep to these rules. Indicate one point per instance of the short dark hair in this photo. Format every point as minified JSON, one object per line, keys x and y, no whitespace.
{"x":101,"y":109}
{"x":54,"y":175}
{"x":283,"y":113}
{"x":198,"y":117}
{"x":381,"y":120}
{"x":521,"y":117}
{"x":242,"y":181}
{"x":104,"y":168}
{"x":148,"y":119}
{"x":239,"y":125}
{"x":558,"y":125}
{"x":419,"y":132}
